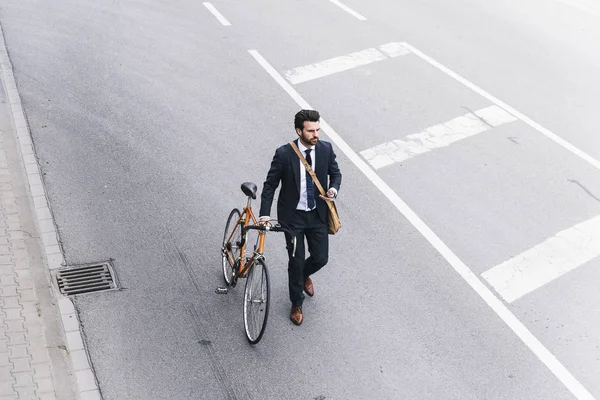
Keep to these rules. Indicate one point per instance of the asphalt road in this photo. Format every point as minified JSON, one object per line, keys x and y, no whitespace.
{"x":147,"y":116}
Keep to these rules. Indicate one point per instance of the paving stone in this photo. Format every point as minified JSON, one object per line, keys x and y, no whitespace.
{"x":18,"y":351}
{"x":17,"y":244}
{"x":21,"y":365}
{"x":80,"y":360}
{"x":39,"y":356}
{"x":13,"y":314}
{"x":90,"y":395}
{"x":11,"y":302}
{"x":22,"y":274}
{"x":6,"y":374}
{"x":86,"y":380}
{"x":26,"y":392}
{"x":27,"y":295}
{"x":48,"y":396}
{"x":6,"y":387}
{"x":25,"y":283}
{"x":7,"y":291}
{"x":20,"y":254}
{"x":29,"y":307}
{"x":45,"y":385}
{"x":23,"y":379}
{"x":15,"y":326}
{"x":16,"y":338}
{"x":41,"y":371}
{"x":20,"y":264}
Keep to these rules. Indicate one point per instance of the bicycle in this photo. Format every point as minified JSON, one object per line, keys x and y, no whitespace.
{"x":236,"y":265}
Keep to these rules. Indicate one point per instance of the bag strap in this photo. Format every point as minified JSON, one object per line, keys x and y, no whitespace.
{"x":308,"y":168}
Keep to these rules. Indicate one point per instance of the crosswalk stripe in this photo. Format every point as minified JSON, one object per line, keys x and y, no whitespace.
{"x":344,"y":63}
{"x":546,"y":261}
{"x":437,"y":136}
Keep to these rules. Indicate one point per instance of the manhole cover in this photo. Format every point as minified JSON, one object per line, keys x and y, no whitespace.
{"x":88,"y":278}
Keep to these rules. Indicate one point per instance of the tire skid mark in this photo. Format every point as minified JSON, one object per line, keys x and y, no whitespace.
{"x":227,"y":387}
{"x":185,"y":262}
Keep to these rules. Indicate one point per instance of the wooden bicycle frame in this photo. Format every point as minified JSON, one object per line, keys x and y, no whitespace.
{"x":244,"y":220}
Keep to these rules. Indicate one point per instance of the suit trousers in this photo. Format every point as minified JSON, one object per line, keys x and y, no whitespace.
{"x":306,"y":224}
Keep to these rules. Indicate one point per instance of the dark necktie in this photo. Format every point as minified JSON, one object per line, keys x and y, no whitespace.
{"x":310,"y":188}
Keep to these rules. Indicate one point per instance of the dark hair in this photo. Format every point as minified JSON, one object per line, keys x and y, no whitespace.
{"x":305,"y":115}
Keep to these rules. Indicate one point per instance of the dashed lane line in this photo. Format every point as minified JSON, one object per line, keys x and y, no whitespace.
{"x":348,"y":10}
{"x":216,"y":13}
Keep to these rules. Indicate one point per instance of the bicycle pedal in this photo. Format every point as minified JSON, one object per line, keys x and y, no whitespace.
{"x":222,"y":290}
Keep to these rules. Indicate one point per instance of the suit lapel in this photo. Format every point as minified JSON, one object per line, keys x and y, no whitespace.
{"x":295,"y":166}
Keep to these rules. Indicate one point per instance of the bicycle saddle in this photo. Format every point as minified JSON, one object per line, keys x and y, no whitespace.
{"x":249,"y":189}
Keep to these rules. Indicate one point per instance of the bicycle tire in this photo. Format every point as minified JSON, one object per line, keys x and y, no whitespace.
{"x":256,"y":302}
{"x":227,"y":267}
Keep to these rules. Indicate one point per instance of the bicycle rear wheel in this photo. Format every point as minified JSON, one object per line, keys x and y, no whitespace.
{"x":256,"y":301}
{"x":232,"y":235}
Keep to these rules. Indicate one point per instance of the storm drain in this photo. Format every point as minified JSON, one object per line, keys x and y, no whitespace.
{"x":89,"y":278}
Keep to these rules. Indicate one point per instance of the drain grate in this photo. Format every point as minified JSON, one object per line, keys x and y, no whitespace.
{"x":89,"y":278}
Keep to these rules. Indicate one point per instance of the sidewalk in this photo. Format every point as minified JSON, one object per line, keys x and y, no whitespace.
{"x":33,"y":357}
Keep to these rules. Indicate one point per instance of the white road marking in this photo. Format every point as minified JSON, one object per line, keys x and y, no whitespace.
{"x":348,"y":10}
{"x":437,"y":136}
{"x":590,"y":6}
{"x":546,"y":261}
{"x":344,"y":63}
{"x":544,"y":131}
{"x":216,"y":13}
{"x":394,"y":49}
{"x":473,"y":280}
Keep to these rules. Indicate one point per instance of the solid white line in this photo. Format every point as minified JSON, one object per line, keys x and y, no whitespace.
{"x":348,"y":10}
{"x":473,"y":280}
{"x":437,"y":136}
{"x":546,"y":132}
{"x":344,"y":63}
{"x":546,"y":261}
{"x":216,"y":13}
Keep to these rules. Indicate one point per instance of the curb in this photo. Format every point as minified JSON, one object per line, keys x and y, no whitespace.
{"x":51,"y":246}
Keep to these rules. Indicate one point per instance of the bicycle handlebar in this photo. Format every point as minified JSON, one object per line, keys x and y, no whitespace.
{"x":268,"y":228}
{"x":276,"y":228}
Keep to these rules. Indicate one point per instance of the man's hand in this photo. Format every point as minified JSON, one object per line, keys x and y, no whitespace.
{"x":264,"y":221}
{"x":331,"y":194}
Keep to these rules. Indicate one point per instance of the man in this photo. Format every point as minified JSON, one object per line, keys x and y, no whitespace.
{"x":300,"y":206}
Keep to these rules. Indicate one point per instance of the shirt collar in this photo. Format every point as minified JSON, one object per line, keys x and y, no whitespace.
{"x":303,"y":148}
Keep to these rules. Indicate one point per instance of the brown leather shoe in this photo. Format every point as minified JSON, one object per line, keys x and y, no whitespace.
{"x":296,"y":315}
{"x":308,"y":287}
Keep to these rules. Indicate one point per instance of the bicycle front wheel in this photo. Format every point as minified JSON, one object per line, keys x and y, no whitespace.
{"x":256,"y":301}
{"x":232,"y":235}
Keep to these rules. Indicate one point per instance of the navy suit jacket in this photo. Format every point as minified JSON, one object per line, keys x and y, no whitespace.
{"x":285,"y":168}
